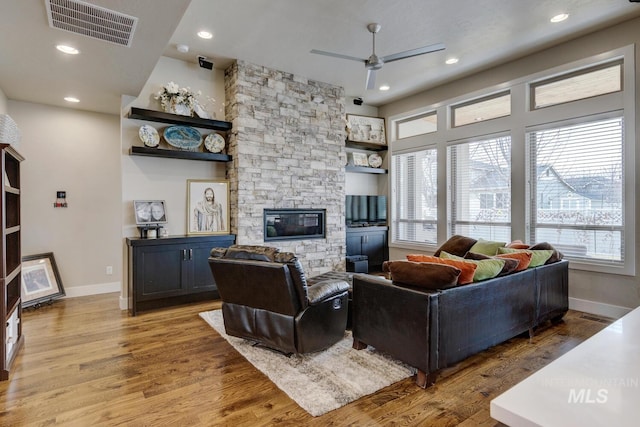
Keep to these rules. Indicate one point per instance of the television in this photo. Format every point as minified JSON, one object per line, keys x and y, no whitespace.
{"x":365,"y":211}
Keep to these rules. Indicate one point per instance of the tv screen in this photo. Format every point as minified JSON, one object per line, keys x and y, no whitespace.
{"x":366,"y":210}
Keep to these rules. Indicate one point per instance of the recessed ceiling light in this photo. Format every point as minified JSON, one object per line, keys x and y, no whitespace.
{"x":67,"y":49}
{"x":451,"y":61}
{"x":384,"y":87}
{"x":560,"y":17}
{"x":205,"y":34}
{"x":71,"y":99}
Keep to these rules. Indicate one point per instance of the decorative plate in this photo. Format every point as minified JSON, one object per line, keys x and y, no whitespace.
{"x":214,"y":142}
{"x":375,"y":161}
{"x":183,"y":137}
{"x":149,"y":135}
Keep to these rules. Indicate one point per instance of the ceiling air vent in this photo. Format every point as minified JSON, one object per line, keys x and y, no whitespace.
{"x":91,"y":21}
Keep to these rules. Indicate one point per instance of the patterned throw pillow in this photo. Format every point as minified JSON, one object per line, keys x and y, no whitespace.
{"x":467,"y":268}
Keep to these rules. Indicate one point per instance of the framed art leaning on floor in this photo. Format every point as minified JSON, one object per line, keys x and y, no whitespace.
{"x":40,"y":279}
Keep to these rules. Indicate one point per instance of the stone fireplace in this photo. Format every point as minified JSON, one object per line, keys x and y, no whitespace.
{"x":288,"y":152}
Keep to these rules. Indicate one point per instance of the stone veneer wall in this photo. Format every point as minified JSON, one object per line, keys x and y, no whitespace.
{"x":288,"y":152}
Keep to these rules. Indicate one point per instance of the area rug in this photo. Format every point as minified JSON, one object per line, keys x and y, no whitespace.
{"x":323,"y":381}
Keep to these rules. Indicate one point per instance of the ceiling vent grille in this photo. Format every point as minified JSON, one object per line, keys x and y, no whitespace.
{"x":91,"y":21}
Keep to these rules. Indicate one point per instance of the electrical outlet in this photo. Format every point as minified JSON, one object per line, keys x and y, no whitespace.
{"x":109,"y":270}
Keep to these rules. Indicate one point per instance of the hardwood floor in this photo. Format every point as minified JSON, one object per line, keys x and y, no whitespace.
{"x":86,"y":363}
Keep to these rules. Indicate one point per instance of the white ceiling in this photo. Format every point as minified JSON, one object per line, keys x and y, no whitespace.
{"x":279,"y":34}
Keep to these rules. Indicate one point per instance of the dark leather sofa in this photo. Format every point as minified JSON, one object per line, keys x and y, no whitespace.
{"x":431,"y":330}
{"x":266,"y":298}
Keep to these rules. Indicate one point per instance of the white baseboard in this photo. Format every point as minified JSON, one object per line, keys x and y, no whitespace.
{"x":101,"y":288}
{"x":124,"y":303}
{"x":598,"y":308}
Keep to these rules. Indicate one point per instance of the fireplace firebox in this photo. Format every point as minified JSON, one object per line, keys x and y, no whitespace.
{"x":294,"y":224}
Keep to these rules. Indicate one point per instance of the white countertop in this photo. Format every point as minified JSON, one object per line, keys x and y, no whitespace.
{"x":595,"y":384}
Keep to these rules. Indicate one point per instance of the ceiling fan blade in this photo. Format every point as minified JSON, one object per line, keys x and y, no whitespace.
{"x":371,"y":79}
{"x":413,"y":52}
{"x":337,"y":55}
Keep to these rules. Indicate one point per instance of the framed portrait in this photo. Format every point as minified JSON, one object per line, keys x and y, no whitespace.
{"x":149,"y":212}
{"x":207,"y":207}
{"x":40,"y":280}
{"x":360,"y":159}
{"x":366,"y":129}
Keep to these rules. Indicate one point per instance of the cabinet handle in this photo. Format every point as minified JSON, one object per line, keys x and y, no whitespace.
{"x":184,"y":254}
{"x":190,"y":253}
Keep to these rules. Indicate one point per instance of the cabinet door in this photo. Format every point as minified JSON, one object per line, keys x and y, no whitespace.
{"x":354,"y":244}
{"x":202,"y":279}
{"x":161,"y":271}
{"x":375,"y":247}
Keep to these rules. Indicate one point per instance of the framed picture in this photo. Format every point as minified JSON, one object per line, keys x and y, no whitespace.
{"x":150,"y":212}
{"x":40,"y":279}
{"x":207,"y":207}
{"x":366,"y":129}
{"x":360,"y":159}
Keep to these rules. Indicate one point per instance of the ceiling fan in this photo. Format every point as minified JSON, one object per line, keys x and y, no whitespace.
{"x":375,"y":62}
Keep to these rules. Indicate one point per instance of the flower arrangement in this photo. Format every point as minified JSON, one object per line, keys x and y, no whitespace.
{"x":171,"y":96}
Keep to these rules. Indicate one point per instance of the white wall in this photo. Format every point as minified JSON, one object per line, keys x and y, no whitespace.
{"x":606,"y":294}
{"x":77,"y":152}
{"x":3,"y":102}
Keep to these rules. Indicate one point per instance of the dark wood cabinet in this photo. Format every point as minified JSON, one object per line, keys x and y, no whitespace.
{"x":10,"y":259}
{"x":171,"y":270}
{"x":369,"y":241}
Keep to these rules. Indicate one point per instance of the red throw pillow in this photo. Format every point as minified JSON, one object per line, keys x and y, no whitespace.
{"x":467,"y":268}
{"x":517,"y":244}
{"x":524,"y":259}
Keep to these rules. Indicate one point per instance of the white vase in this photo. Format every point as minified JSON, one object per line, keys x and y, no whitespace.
{"x":180,"y":109}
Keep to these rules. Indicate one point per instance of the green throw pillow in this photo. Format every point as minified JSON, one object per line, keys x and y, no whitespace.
{"x":487,"y":268}
{"x":486,"y":247}
{"x":538,"y":257}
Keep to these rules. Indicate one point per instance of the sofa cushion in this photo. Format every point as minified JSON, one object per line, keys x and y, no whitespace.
{"x":510,"y":264}
{"x":467,"y":269}
{"x":555,"y":256}
{"x":422,"y":274}
{"x":524,"y":259}
{"x":517,"y":244}
{"x":486,"y":268}
{"x":538,"y":257}
{"x":456,"y":245}
{"x":486,"y":247}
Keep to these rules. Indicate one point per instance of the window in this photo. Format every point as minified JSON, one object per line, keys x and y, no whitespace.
{"x":419,"y":125}
{"x":480,"y":189}
{"x":480,"y":110}
{"x":415,"y":197}
{"x":577,"y":85}
{"x":576,"y":174}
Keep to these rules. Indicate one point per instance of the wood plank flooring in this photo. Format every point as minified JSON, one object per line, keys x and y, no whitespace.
{"x":86,"y":363}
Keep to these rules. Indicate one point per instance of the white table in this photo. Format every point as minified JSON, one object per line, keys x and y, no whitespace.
{"x":595,"y":384}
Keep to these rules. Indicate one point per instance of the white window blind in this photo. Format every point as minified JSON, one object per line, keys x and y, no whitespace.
{"x":577,"y":189}
{"x":415,"y":195}
{"x":479,"y":190}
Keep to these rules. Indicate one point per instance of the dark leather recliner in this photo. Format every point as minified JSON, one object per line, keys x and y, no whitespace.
{"x":265,"y":298}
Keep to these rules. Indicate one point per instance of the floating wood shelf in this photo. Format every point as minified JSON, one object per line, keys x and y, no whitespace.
{"x":362,"y":169}
{"x":159,"y":116}
{"x":179,"y":154}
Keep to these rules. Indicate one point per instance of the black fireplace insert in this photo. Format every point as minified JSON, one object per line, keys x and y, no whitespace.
{"x":292,"y":224}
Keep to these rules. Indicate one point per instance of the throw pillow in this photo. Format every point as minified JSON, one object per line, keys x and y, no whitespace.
{"x":457,"y":245}
{"x":486,"y":247}
{"x":467,"y":269}
{"x":538,"y":257}
{"x":518,"y":244}
{"x":422,"y":274}
{"x":486,"y":268}
{"x":510,"y":265}
{"x":555,"y":257}
{"x":524,"y":259}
